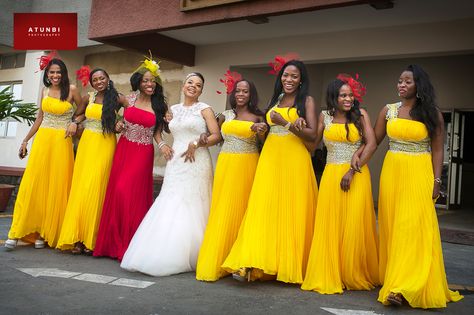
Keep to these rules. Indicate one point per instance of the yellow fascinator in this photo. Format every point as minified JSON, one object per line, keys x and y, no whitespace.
{"x":150,"y":65}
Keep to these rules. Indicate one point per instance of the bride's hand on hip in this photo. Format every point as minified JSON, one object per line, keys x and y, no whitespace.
{"x":189,"y":154}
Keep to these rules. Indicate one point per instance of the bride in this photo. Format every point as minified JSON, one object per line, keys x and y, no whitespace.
{"x":168,"y":239}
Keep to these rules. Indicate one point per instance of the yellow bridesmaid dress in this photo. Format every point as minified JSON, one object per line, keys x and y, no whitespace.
{"x":411,"y":258}
{"x":344,"y":249}
{"x":44,"y":189}
{"x":275,"y":235}
{"x":233,"y":180}
{"x":89,"y":183}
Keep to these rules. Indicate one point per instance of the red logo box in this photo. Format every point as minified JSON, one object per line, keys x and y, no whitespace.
{"x":45,"y":31}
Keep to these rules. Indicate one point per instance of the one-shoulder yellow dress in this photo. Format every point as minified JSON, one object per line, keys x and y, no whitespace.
{"x":411,"y":258}
{"x":344,"y":249}
{"x":44,"y":189}
{"x":276,"y":233}
{"x":89,"y":183}
{"x":233,"y":178}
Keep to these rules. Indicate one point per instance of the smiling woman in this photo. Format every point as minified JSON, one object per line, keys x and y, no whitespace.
{"x":44,"y":189}
{"x":168,"y":240}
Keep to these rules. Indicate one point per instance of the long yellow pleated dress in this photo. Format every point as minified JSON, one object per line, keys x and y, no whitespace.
{"x":411,"y":258}
{"x":233,"y":178}
{"x":44,"y":188}
{"x":89,"y":183}
{"x":275,"y":235}
{"x":344,"y":249}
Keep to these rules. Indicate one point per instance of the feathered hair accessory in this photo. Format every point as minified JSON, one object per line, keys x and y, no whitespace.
{"x":358,"y":89}
{"x":44,"y":60}
{"x":280,"y":60}
{"x":229,"y":80}
{"x":83,"y":74}
{"x":150,"y":65}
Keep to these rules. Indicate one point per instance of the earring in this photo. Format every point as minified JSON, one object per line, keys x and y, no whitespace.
{"x":352,"y":105}
{"x":417,"y":96}
{"x":398,"y":93}
{"x":48,"y":80}
{"x":108,"y":85}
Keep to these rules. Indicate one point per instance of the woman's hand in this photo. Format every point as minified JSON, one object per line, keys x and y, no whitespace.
{"x":299,"y":123}
{"x":260,"y":128}
{"x":355,"y":162}
{"x":71,"y":129}
{"x":168,"y":116}
{"x":346,"y":180}
{"x":277,"y":118}
{"x":189,"y":154}
{"x":167,"y":152}
{"x":23,"y":150}
{"x":119,"y":126}
{"x":203,"y":139}
{"x":436,"y":190}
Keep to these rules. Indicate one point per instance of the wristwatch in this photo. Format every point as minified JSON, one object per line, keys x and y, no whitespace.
{"x":195,"y":144}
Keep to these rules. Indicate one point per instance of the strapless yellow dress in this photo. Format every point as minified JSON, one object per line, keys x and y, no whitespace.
{"x":233,"y":178}
{"x":411,"y":258}
{"x":89,"y":183}
{"x":44,"y":189}
{"x":276,"y":233}
{"x":344,"y":249}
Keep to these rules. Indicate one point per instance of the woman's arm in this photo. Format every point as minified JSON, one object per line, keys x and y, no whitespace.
{"x":370,"y":143}
{"x":34,"y":128}
{"x":437,"y":152}
{"x":164,"y":148}
{"x":312,"y":145}
{"x":80,"y":109}
{"x":380,"y":128}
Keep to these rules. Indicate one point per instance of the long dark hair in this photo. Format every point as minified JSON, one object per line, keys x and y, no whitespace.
{"x":352,"y":116}
{"x":301,"y":95}
{"x":253,"y":98}
{"x":64,"y":83}
{"x":158,"y":102}
{"x":110,"y":104}
{"x":426,"y":107}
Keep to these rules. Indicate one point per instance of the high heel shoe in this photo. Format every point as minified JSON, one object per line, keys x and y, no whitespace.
{"x":39,"y":243}
{"x":11,"y":243}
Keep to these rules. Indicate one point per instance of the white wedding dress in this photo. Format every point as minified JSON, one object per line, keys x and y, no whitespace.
{"x":169,"y":237}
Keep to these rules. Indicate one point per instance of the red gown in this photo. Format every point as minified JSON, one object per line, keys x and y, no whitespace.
{"x":130,"y":190}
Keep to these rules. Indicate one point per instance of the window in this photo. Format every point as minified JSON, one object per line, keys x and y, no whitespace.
{"x":8,"y":127}
{"x":11,"y":61}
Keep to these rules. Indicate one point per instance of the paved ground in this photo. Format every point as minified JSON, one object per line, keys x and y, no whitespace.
{"x":60,"y":292}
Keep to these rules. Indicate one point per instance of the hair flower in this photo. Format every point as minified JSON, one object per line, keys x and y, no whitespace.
{"x":358,"y":89}
{"x":229,"y":80}
{"x":83,"y":74}
{"x":280,"y":60}
{"x":44,"y":60}
{"x":152,"y":66}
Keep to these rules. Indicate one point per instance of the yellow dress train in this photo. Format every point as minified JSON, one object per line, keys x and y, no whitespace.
{"x":89,"y":183}
{"x":411,"y":258}
{"x":233,"y":180}
{"x":44,"y":188}
{"x":275,"y":235}
{"x":344,"y":249}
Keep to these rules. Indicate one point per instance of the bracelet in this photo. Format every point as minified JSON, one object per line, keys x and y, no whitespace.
{"x":195,"y":144}
{"x":438,"y":180}
{"x":162,"y":144}
{"x":25,"y":142}
{"x":287,"y":126}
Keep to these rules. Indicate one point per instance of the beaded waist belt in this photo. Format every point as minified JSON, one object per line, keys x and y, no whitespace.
{"x":137,"y":133}
{"x":340,"y":152}
{"x":93,"y":125}
{"x":415,"y":147}
{"x":233,"y":144}
{"x":279,"y":130}
{"x":56,"y":121}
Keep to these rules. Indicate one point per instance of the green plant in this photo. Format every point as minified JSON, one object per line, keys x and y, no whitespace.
{"x":15,"y":109}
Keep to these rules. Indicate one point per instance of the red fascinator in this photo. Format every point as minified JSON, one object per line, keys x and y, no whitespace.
{"x":230,"y":78}
{"x":280,"y":60}
{"x":358,"y":89}
{"x":44,"y":60}
{"x":83,"y":74}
